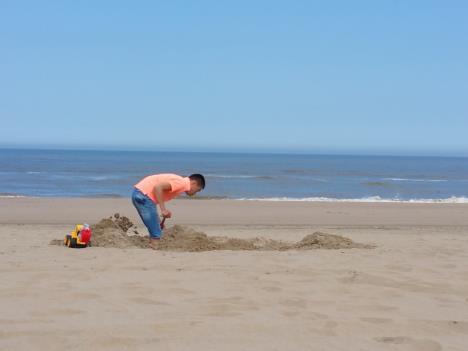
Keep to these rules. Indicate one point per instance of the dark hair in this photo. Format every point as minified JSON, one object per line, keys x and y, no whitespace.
{"x":199,"y":179}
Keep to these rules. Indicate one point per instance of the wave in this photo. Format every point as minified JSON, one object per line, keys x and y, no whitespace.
{"x":80,"y":177}
{"x":243,"y":176}
{"x":203,"y":197}
{"x":415,"y":180}
{"x":376,"y":184}
{"x":264,"y":177}
{"x":10,"y":195}
{"x":300,"y":171}
{"x":100,"y":178}
{"x":451,"y":200}
{"x":103,"y":195}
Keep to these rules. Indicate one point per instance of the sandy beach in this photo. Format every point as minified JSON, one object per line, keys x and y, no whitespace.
{"x":410,"y":292}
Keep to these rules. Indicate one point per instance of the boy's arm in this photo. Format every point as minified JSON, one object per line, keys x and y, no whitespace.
{"x":158,"y":194}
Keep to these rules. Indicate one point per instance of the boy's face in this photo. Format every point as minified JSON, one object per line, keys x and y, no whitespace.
{"x":194,"y":188}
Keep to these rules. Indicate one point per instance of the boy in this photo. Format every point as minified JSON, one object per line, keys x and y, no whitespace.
{"x":158,"y":189}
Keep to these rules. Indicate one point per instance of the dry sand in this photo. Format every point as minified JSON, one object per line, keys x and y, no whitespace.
{"x":410,"y":292}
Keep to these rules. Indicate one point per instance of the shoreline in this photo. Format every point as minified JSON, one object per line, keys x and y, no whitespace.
{"x":368,"y":199}
{"x":233,"y":212}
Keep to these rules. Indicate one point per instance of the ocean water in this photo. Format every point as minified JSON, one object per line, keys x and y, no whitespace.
{"x":57,"y":173}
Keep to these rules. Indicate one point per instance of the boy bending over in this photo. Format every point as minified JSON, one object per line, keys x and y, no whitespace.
{"x":157,"y":189}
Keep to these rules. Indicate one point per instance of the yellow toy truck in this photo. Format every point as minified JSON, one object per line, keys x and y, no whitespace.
{"x":79,"y":238}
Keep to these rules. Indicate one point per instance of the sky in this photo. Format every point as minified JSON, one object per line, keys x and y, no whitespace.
{"x":365,"y":77}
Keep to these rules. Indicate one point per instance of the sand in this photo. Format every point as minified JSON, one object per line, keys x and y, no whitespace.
{"x":116,"y":231}
{"x":409,"y":292}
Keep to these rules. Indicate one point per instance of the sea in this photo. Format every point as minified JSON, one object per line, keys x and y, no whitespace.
{"x":241,"y":176}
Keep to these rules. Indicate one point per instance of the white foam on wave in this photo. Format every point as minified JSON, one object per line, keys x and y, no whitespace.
{"x":96,"y":178}
{"x":451,"y":200}
{"x":99,"y":178}
{"x":235,"y":176}
{"x":415,"y":180}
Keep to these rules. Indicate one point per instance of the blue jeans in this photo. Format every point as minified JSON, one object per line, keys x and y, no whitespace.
{"x":148,"y":212}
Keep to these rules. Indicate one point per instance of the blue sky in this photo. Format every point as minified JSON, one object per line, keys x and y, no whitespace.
{"x":373,"y":77}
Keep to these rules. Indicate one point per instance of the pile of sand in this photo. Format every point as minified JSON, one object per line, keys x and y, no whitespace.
{"x":319,"y":240}
{"x":115,"y":232}
{"x":179,"y":238}
{"x":123,"y":223}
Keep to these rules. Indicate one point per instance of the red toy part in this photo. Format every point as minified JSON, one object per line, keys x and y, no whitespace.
{"x":85,"y":235}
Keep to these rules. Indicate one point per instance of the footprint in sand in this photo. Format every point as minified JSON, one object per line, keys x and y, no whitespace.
{"x":229,"y":306}
{"x":399,"y":268}
{"x":394,"y":339}
{"x":272,"y":288}
{"x":326,"y":328}
{"x":451,"y":326}
{"x":58,"y":312}
{"x":112,"y":342}
{"x":86,"y":295}
{"x":294,"y":302}
{"x":374,"y":308}
{"x":290,"y":313}
{"x":181,"y":291}
{"x":315,"y":316}
{"x":221,"y":310}
{"x":376,"y":320}
{"x":413,"y":344}
{"x":146,"y":301}
{"x":137,"y":287}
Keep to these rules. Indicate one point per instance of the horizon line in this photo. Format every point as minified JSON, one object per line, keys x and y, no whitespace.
{"x":229,"y":151}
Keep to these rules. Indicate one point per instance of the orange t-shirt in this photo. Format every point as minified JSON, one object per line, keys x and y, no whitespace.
{"x":178,"y":184}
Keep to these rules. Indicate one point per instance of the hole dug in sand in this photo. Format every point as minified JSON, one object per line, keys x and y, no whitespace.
{"x":114,"y":232}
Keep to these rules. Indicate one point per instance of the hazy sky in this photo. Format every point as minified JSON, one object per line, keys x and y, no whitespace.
{"x":327,"y":77}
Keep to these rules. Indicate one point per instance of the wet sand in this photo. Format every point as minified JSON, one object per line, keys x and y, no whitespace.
{"x":410,"y":292}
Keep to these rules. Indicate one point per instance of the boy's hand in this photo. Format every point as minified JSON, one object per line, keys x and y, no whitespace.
{"x":166,"y":213}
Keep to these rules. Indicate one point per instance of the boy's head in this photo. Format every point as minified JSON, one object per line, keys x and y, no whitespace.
{"x":197,"y":183}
